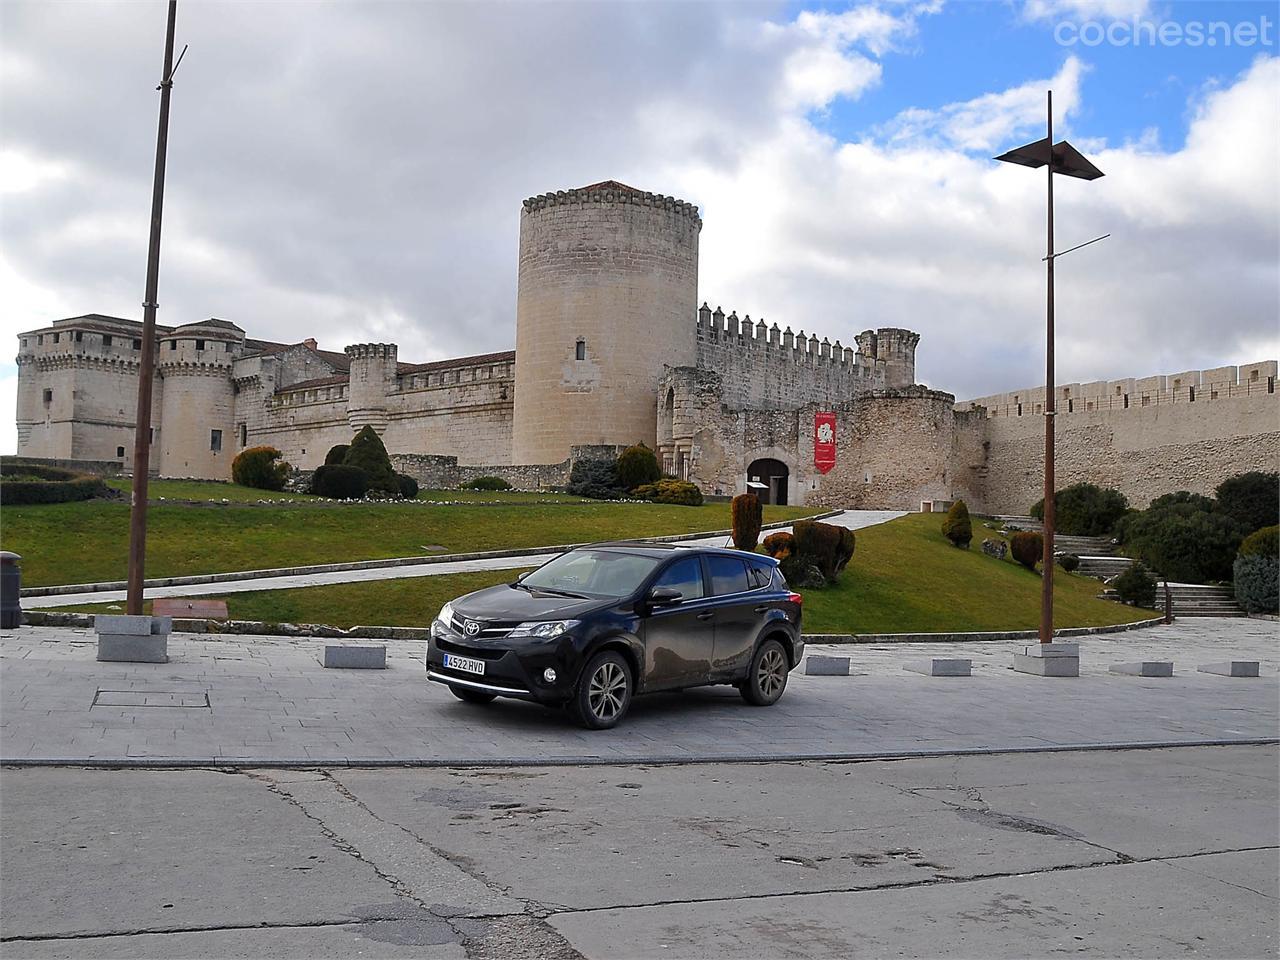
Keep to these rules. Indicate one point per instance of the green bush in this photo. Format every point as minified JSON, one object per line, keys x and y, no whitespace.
{"x":636,"y":467}
{"x":1262,"y":543}
{"x":1185,"y":544}
{"x":1027,"y":548}
{"x":1182,"y":502}
{"x":958,"y":528}
{"x":801,"y":574}
{"x":1256,"y":571}
{"x":486,"y":483}
{"x":340,"y":481}
{"x":596,"y":479}
{"x":256,"y":467}
{"x":682,"y":493}
{"x":826,"y":546}
{"x":1251,"y":499}
{"x":368,"y":453}
{"x":337,"y":453}
{"x":1069,"y":562}
{"x":28,"y":483}
{"x":780,"y":545}
{"x":1084,"y":509}
{"x":1136,"y":586}
{"x":408,"y":486}
{"x":747,"y":516}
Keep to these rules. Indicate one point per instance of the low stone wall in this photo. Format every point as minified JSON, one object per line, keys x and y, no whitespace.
{"x":97,"y":468}
{"x":436,"y":472}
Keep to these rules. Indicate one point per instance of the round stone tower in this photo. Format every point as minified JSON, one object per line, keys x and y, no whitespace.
{"x":607,"y":294}
{"x":373,"y":377}
{"x":196,"y":435}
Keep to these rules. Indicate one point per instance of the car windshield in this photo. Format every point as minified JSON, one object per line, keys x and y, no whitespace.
{"x":596,"y":573}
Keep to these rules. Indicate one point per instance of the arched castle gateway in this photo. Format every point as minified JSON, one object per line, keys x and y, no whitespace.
{"x":612,"y":348}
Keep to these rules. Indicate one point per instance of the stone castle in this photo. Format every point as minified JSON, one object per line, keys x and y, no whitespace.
{"x":612,"y":349}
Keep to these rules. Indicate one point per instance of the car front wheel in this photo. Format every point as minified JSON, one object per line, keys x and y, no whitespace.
{"x":604,"y":692}
{"x":768,"y":676}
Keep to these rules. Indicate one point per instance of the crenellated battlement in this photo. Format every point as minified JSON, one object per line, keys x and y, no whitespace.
{"x":611,"y":191}
{"x":372,"y":351}
{"x":1189,"y":386}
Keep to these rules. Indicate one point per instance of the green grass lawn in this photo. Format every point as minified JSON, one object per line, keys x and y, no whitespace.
{"x":904,"y":578}
{"x":88,"y":541}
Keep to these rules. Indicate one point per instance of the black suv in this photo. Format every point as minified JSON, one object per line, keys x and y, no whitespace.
{"x":599,"y":624}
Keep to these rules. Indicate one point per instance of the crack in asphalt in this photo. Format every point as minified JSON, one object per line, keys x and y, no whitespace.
{"x":931,"y":882}
{"x":209,"y":928}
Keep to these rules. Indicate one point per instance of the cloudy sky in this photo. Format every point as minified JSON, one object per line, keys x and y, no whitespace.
{"x":354,"y":170}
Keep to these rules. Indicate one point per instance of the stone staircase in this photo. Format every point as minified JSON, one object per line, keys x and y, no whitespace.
{"x":1063,"y":542}
{"x":1194,"y":600}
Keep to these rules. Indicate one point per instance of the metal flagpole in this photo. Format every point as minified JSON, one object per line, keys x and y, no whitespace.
{"x":146,"y":372}
{"x":1046,"y":585}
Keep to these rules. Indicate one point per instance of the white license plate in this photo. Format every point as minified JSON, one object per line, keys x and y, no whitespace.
{"x":465,"y":664}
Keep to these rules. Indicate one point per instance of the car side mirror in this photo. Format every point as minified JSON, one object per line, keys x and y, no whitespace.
{"x":665,"y":596}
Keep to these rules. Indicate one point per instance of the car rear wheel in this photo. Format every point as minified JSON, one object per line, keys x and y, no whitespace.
{"x":604,"y":692}
{"x":768,"y":676}
{"x":471,"y":696}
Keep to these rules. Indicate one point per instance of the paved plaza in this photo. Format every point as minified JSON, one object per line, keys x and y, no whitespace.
{"x":241,"y":699}
{"x":1147,"y":853}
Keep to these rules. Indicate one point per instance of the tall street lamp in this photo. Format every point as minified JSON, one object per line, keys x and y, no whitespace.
{"x":1065,"y":159}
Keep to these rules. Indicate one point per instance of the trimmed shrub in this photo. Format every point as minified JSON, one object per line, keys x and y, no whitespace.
{"x":337,"y":453}
{"x":256,"y":467}
{"x":747,"y":517}
{"x":340,"y":481}
{"x":486,"y":483}
{"x":28,"y":483}
{"x":408,"y":486}
{"x":1251,"y":499}
{"x":636,"y":467}
{"x":1256,"y":571}
{"x":780,"y":545}
{"x":826,"y":546}
{"x":1136,"y":586}
{"x":682,"y":493}
{"x":368,"y":453}
{"x":1069,"y":562}
{"x":1084,"y":509}
{"x":1027,"y":548}
{"x":1186,"y":545}
{"x":597,"y":479}
{"x":800,"y":574}
{"x":1183,"y":502}
{"x":958,"y":528}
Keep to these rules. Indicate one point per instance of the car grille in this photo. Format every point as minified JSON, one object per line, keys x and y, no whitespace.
{"x":489,"y":629}
{"x":481,"y":653}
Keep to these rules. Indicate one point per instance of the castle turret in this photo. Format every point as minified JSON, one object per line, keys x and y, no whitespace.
{"x":895,"y":348}
{"x":196,"y":435}
{"x":607,"y":288}
{"x":373,"y":377}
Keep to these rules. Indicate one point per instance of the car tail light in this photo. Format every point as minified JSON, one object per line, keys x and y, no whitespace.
{"x":795,"y":598}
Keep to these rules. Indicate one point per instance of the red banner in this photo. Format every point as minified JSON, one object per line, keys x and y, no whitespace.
{"x":824,"y":441}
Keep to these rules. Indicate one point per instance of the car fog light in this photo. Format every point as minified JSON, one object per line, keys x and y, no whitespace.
{"x":549,"y":675}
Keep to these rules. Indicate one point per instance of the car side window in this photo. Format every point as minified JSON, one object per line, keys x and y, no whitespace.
{"x":728,"y":575}
{"x":685,"y":576}
{"x":759,"y":575}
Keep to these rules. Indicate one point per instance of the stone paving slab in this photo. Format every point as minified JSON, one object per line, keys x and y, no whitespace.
{"x":853,"y":519}
{"x":270,"y":700}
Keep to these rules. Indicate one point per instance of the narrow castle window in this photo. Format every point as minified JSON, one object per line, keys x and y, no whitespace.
{"x":137,"y":344}
{"x":39,"y":339}
{"x":1253,"y":376}
{"x":48,"y":396}
{"x":79,"y":336}
{"x":173,"y":344}
{"x":1191,"y":394}
{"x":580,"y":349}
{"x":119,"y":451}
{"x":227,"y":347}
{"x":106,"y":339}
{"x":215,"y":440}
{"x":57,"y":337}
{"x":199,"y":344}
{"x":244,"y":434}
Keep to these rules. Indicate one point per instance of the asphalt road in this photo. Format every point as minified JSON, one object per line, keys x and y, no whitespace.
{"x":1136,"y":853}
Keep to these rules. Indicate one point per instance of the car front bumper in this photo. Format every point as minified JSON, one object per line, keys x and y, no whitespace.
{"x":511,"y":669}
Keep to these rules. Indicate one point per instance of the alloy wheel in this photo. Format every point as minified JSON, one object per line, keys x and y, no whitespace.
{"x":606,"y":693}
{"x":771,"y":674}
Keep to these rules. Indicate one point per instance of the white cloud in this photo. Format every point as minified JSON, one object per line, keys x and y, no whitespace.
{"x":1086,"y":9}
{"x":357,"y":174}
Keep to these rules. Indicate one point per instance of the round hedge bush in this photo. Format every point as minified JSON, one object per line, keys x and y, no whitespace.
{"x":1027,"y":548}
{"x":256,"y":467}
{"x":958,"y":528}
{"x":408,"y":486}
{"x":337,"y":453}
{"x":1084,"y":509}
{"x":24,"y":484}
{"x":340,"y":481}
{"x":1256,"y":571}
{"x":1069,"y":562}
{"x":637,"y":466}
{"x":681,"y":493}
{"x":1136,"y":586}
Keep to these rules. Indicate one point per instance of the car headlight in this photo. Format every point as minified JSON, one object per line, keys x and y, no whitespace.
{"x":543,"y":629}
{"x":446,"y":613}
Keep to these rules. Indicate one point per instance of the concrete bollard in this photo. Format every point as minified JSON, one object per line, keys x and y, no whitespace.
{"x":817,"y":665}
{"x":1145,"y":668}
{"x":351,"y":657}
{"x":1231,"y":668}
{"x":941,"y":667}
{"x":133,"y":639}
{"x":1049,"y":660}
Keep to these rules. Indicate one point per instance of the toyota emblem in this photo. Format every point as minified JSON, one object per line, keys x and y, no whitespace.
{"x":470,"y":628}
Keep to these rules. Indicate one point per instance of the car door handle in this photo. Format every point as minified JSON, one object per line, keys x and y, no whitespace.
{"x":763,"y":608}
{"x":706,"y":616}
